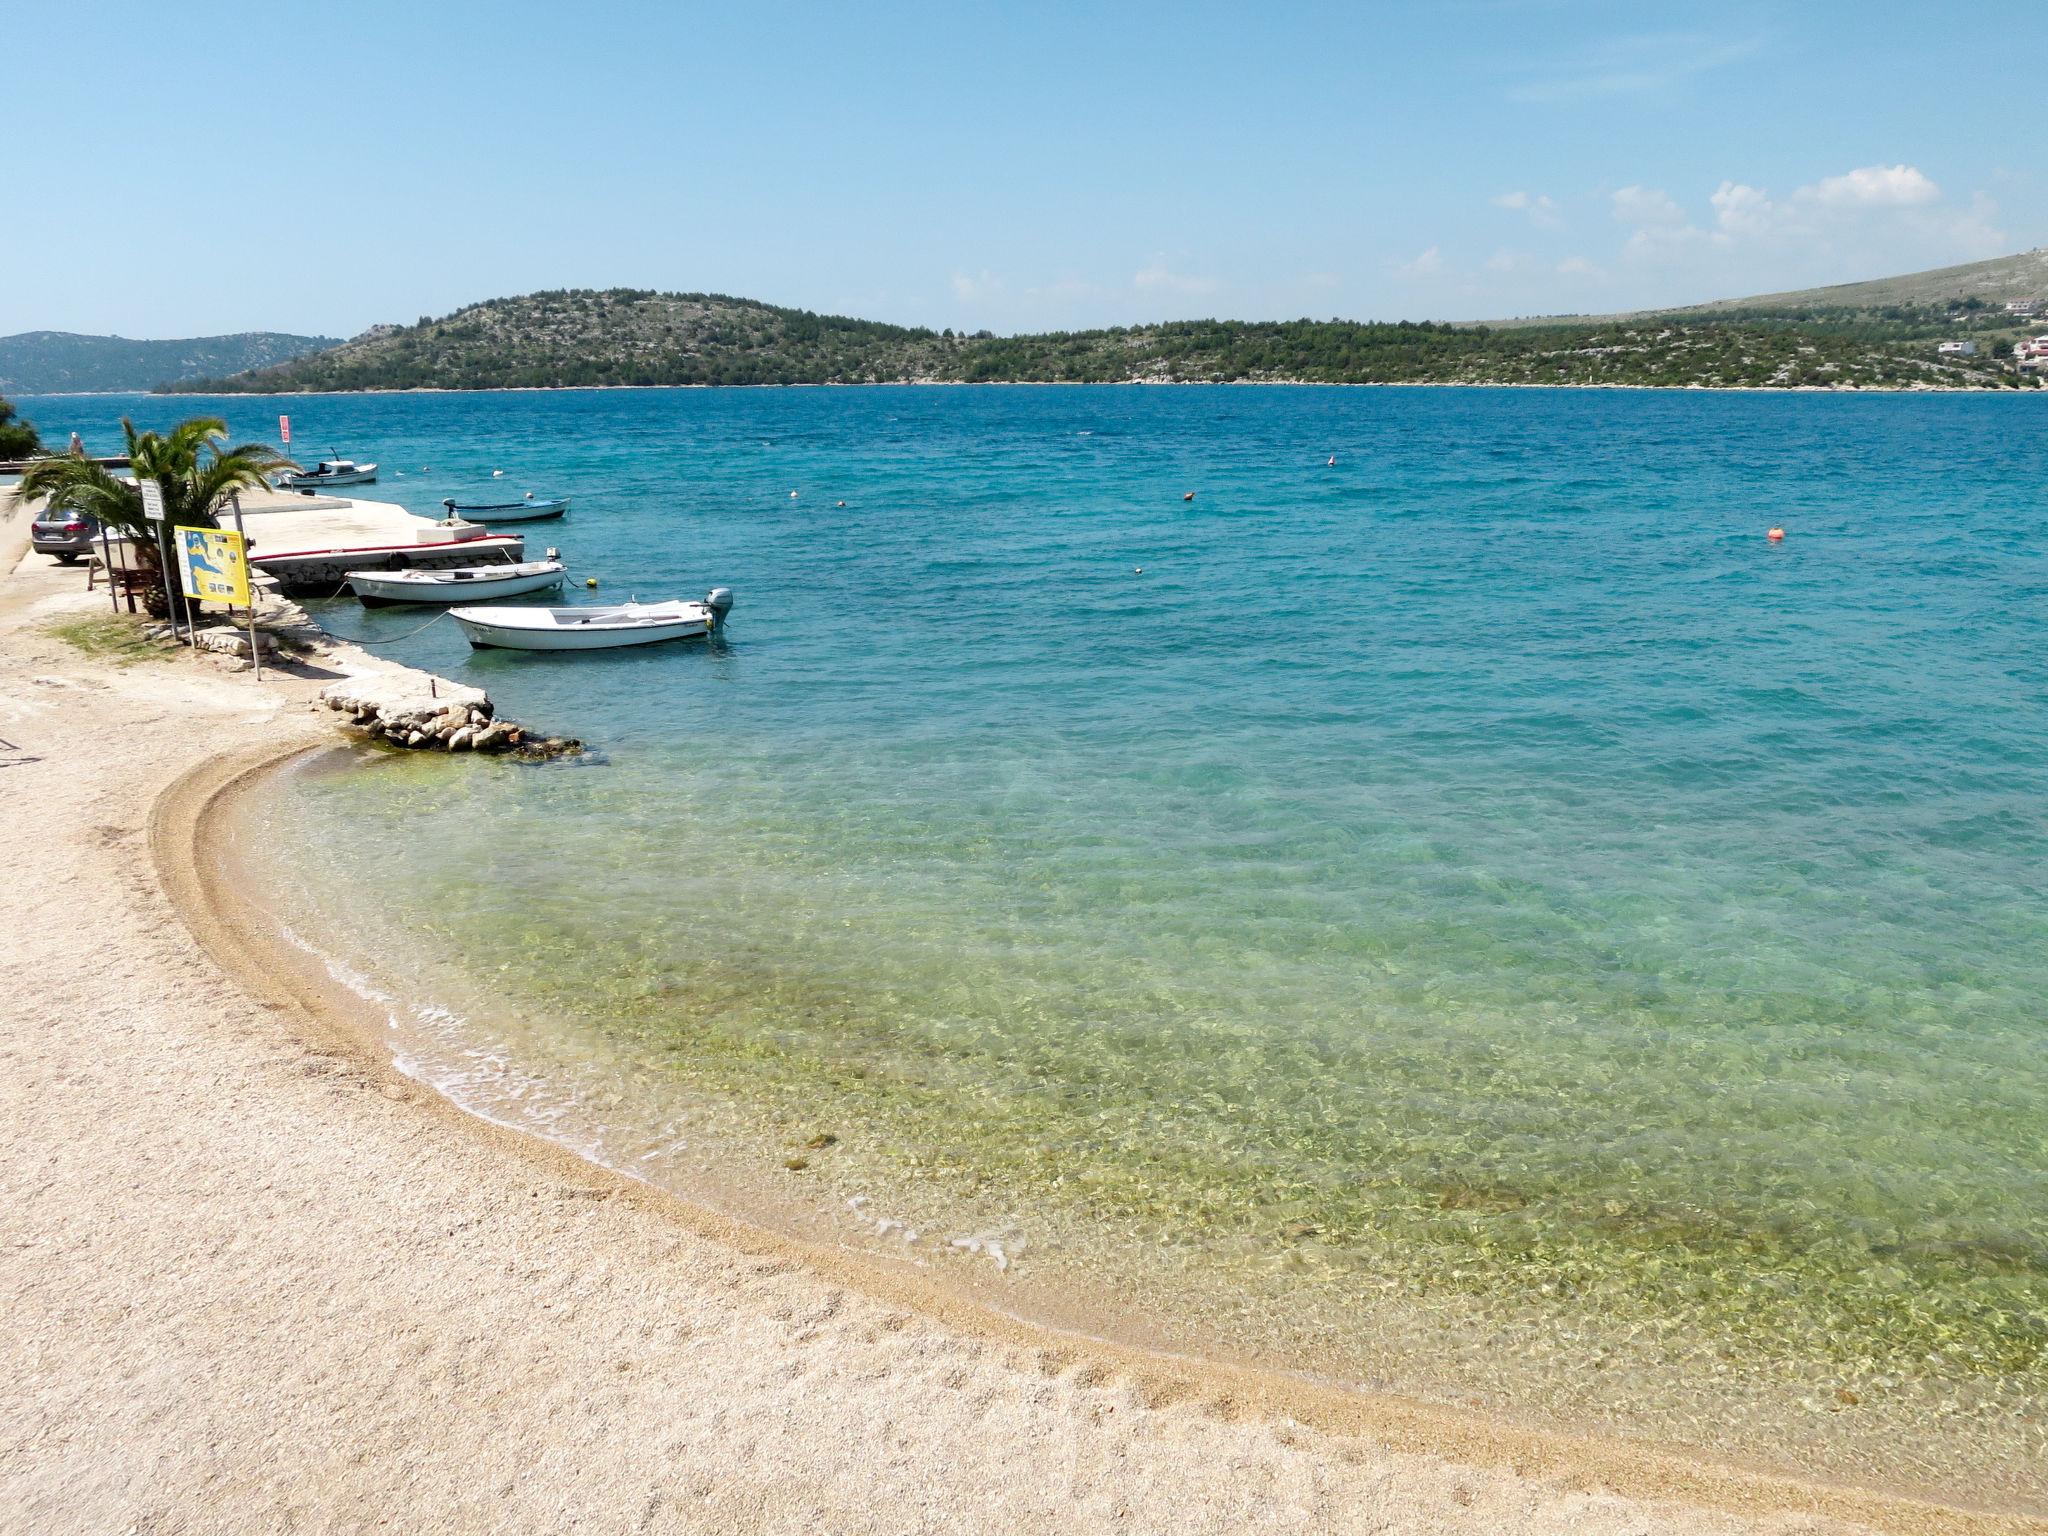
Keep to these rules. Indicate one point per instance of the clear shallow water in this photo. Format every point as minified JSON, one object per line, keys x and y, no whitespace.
{"x":1483,"y":875}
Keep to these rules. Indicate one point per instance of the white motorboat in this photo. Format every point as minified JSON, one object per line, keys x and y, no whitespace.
{"x":527,"y":511}
{"x":592,"y":629}
{"x":329,"y":472}
{"x":465,"y":583}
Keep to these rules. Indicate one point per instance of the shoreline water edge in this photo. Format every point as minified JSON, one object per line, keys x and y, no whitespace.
{"x":1913,"y":390}
{"x":204,"y":771}
{"x":1666,"y":389}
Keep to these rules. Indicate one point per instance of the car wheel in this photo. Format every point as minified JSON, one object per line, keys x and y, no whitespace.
{"x":68,"y":558}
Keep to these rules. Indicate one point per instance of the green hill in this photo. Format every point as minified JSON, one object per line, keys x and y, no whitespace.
{"x":1994,"y":283}
{"x":1873,"y":335}
{"x":59,"y":362}
{"x":585,"y":338}
{"x":1988,"y":285}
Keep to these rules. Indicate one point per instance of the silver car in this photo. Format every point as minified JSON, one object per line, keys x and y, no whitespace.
{"x":67,"y":535}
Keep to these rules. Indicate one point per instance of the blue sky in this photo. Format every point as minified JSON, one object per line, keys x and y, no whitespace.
{"x":322,"y":167}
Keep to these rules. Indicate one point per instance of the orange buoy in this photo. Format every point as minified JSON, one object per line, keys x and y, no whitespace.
{"x":1776,"y":535}
{"x":1189,"y":497}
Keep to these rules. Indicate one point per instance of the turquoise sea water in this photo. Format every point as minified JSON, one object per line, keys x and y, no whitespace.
{"x":1482,"y":876}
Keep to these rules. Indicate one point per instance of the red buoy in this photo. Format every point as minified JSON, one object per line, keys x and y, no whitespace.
{"x":1776,"y":535}
{"x":1189,"y":497}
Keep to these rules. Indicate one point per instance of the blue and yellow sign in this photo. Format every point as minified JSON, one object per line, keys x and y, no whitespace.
{"x":214,"y":566}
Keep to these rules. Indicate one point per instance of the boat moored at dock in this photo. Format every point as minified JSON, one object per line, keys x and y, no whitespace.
{"x":592,"y":629}
{"x":329,"y":472}
{"x":526,"y":511}
{"x":459,"y":584}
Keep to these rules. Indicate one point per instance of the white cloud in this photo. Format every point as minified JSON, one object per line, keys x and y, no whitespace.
{"x":1505,"y":260}
{"x":1542,"y":212}
{"x":1578,"y":266}
{"x":1861,"y":223}
{"x":1646,"y":208}
{"x":1872,"y":208}
{"x":1656,"y":224}
{"x":1429,"y":264}
{"x":1158,"y":277}
{"x":972,"y":288}
{"x":1876,"y":186}
{"x":1867,"y":210}
{"x":1741,"y":210}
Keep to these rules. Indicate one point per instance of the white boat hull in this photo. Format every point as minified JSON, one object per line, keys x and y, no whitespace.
{"x":512,"y":512}
{"x":585,"y":629}
{"x":374,"y":589}
{"x":362,"y":474}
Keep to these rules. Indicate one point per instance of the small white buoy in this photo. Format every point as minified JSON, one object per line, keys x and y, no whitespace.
{"x":497,"y":474}
{"x":1333,"y":461}
{"x":1137,"y":570}
{"x":792,"y":495}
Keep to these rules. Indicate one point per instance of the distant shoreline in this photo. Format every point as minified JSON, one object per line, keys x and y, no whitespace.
{"x":557,"y":389}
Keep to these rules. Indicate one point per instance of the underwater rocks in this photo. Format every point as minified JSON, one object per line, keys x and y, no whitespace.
{"x":416,"y":710}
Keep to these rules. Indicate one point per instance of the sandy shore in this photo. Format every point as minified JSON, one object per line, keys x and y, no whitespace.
{"x":257,"y":1280}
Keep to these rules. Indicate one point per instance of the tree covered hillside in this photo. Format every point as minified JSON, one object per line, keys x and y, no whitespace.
{"x":59,"y":362}
{"x":633,"y":337}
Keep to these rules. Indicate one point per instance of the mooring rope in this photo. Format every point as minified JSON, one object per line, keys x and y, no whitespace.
{"x":381,"y":639}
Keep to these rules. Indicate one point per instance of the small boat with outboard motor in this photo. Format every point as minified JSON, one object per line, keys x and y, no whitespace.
{"x":527,"y":511}
{"x":328,"y":472}
{"x":463,"y":584}
{"x":518,"y":628}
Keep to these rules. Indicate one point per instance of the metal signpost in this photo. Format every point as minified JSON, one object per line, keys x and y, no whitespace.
{"x":216,"y":570}
{"x":153,"y":509}
{"x":114,"y":581}
{"x":248,"y":581}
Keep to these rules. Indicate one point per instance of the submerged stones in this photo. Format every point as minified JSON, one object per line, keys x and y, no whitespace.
{"x":412,"y":709}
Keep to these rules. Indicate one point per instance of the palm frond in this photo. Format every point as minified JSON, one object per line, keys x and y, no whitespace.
{"x":191,"y":437}
{"x":79,"y":485}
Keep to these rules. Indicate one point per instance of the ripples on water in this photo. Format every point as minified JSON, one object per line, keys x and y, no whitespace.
{"x":1483,"y":870}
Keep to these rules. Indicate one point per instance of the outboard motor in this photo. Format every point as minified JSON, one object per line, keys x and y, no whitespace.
{"x":720,"y":603}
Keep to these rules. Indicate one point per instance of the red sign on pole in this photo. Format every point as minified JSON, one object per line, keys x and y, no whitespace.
{"x":284,"y":431}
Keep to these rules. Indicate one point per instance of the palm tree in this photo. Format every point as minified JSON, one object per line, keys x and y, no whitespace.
{"x":17,"y":437}
{"x":196,"y":474}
